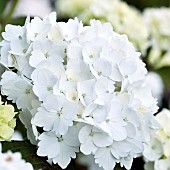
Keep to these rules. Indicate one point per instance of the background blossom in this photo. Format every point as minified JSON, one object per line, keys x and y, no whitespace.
{"x":157,"y":151}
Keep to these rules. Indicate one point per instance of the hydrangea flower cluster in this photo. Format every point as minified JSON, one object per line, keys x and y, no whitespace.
{"x":157,"y":21}
{"x":80,"y":89}
{"x":7,"y":121}
{"x":124,"y":18}
{"x":157,"y":152}
{"x":13,"y":161}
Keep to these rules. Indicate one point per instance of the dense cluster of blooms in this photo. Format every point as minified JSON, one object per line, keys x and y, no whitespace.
{"x":7,"y":121}
{"x":158,"y":25}
{"x":157,"y":152}
{"x":157,"y":21}
{"x":149,"y":29}
{"x":83,"y":86}
{"x":124,"y":18}
{"x":13,"y":161}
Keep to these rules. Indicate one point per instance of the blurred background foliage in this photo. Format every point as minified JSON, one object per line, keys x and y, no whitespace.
{"x":6,"y":14}
{"x":141,"y":4}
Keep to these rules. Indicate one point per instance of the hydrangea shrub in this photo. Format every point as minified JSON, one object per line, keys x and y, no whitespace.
{"x":80,"y":89}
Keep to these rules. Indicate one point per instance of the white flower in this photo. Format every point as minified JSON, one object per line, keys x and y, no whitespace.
{"x":44,"y":81}
{"x":94,"y":114}
{"x":166,"y":148}
{"x":71,"y":29}
{"x":104,"y":158}
{"x":126,"y":162}
{"x":162,"y":164}
{"x":91,"y":50}
{"x":60,"y":148}
{"x":91,"y":138}
{"x":13,"y":161}
{"x":56,"y":114}
{"x":37,"y":29}
{"x":52,"y":65}
{"x":46,"y":49}
{"x":164,"y":118}
{"x":12,"y":32}
{"x":84,"y":87}
{"x":156,"y":21}
{"x":74,"y":70}
{"x":15,"y":49}
{"x":114,"y":11}
{"x":153,"y":150}
{"x":149,"y":166}
{"x":18,"y":89}
{"x":157,"y":151}
{"x":86,"y":92}
{"x":115,"y":122}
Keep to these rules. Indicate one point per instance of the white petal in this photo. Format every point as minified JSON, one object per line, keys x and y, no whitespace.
{"x":104,"y":158}
{"x":88,"y":147}
{"x":101,"y":139}
{"x":84,"y":133}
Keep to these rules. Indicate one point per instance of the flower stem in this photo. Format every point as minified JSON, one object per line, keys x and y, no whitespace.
{"x":8,"y":16}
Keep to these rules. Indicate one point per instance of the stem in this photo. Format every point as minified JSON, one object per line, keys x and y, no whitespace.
{"x":9,"y":14}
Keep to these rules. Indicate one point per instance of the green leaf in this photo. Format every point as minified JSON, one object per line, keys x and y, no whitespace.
{"x":2,"y":6}
{"x":17,"y":21}
{"x":164,"y":73}
{"x":28,"y":152}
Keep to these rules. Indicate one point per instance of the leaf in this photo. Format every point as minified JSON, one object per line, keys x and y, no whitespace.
{"x":17,"y":21}
{"x":2,"y":6}
{"x":28,"y":152}
{"x":164,"y":73}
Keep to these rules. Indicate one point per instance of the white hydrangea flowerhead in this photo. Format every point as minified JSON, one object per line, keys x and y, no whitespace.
{"x":85,"y":91}
{"x":157,"y":21}
{"x":13,"y":161}
{"x":124,"y":18}
{"x":157,"y":152}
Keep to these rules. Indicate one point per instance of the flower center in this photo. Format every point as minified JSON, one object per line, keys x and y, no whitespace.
{"x":49,"y":88}
{"x":59,"y":112}
{"x":91,"y":133}
{"x":27,"y":91}
{"x":8,"y":159}
{"x":60,"y":139}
